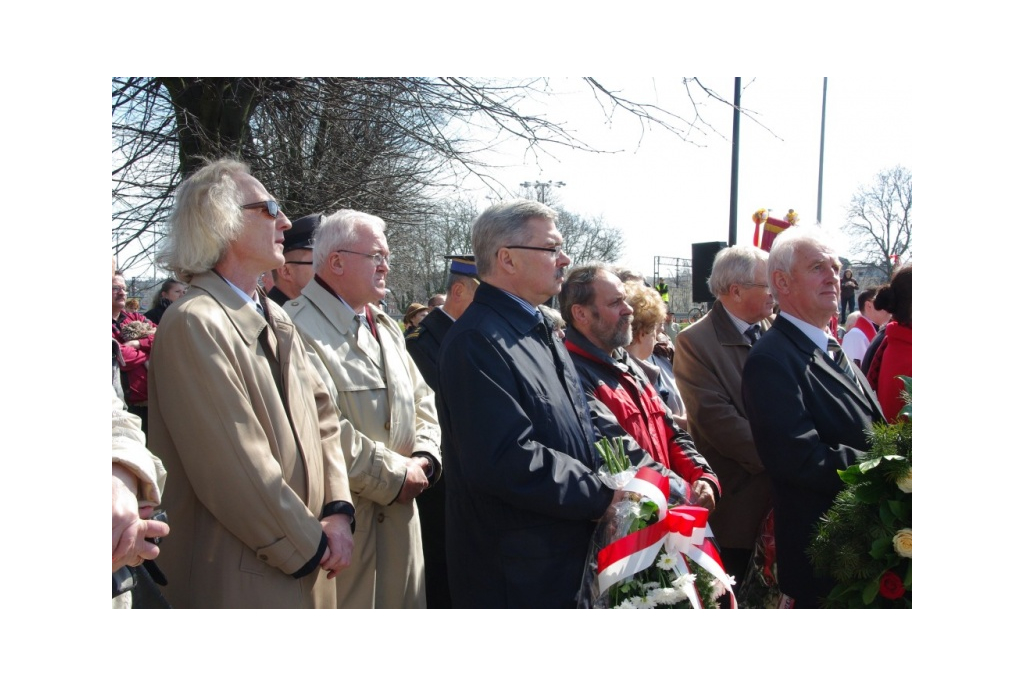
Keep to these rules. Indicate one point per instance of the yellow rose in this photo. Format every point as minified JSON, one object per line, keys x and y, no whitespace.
{"x":904,"y":483}
{"x":903,"y":543}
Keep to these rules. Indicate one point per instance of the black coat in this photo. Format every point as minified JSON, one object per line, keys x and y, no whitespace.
{"x":157,"y":312}
{"x":519,"y":459}
{"x":424,"y":344}
{"x":808,"y":420}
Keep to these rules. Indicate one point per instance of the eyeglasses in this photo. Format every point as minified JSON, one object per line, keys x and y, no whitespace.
{"x":553,"y":250}
{"x":269,"y":206}
{"x":377,"y":257}
{"x":307,"y":263}
{"x":118,"y":289}
{"x":756,"y":285}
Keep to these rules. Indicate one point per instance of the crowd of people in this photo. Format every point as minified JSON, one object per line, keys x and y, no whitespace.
{"x":308,"y":452}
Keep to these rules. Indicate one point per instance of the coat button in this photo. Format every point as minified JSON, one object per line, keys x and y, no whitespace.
{"x":263,"y":557}
{"x":380,"y":518}
{"x":387,"y":425}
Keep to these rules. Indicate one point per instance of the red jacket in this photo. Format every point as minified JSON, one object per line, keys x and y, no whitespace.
{"x":622,"y":401}
{"x":892,"y":359}
{"x":135,"y":359}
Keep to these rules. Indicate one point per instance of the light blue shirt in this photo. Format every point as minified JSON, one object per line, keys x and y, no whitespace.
{"x":525,"y":305}
{"x":246,"y":297}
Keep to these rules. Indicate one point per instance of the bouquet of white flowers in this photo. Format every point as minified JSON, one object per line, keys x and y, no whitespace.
{"x":650,"y":551}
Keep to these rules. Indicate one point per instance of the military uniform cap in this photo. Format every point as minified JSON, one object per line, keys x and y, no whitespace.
{"x":463,"y":265}
{"x":300,"y":235}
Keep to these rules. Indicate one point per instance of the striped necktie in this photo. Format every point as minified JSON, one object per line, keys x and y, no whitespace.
{"x":840,"y":358}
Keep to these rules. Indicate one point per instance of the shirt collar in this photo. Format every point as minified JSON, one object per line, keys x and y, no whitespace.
{"x":818,"y":336}
{"x":246,"y":297}
{"x":739,"y":323}
{"x":533,"y":311}
{"x":323,"y":284}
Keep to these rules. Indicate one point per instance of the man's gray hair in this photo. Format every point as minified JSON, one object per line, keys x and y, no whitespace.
{"x":338,"y":231}
{"x":784,"y":250}
{"x":457,"y":278}
{"x":736,"y":264}
{"x":205,"y":220}
{"x":504,"y":224}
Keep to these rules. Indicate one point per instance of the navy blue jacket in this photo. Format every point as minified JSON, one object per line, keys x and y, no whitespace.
{"x":517,"y":441}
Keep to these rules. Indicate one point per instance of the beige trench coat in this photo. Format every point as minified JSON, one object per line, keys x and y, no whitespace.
{"x":387,"y":413}
{"x":249,"y":468}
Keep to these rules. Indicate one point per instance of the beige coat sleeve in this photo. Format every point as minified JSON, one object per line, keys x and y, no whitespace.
{"x":128,"y":448}
{"x":374,"y":472}
{"x":336,"y":483}
{"x":384,"y":417}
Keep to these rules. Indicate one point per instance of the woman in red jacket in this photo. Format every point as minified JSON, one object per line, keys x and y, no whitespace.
{"x":893,"y":358}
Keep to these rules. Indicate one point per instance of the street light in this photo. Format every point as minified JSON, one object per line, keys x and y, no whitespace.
{"x":542,"y":187}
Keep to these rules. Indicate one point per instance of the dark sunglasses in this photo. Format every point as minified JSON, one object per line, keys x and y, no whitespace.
{"x":269,"y":206}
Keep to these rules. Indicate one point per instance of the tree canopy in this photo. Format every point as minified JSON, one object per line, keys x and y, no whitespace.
{"x":879,"y":220}
{"x":398,"y":148}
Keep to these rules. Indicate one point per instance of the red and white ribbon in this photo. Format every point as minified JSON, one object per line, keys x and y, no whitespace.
{"x":681,"y":530}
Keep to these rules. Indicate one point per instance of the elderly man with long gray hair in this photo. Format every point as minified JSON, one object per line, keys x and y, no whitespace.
{"x":257,"y":490}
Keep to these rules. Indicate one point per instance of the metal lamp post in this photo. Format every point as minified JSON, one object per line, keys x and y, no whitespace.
{"x":542,"y":188}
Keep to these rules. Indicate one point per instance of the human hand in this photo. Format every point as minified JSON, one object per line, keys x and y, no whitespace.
{"x":129,"y":530}
{"x":703,"y":495}
{"x":609,"y":513}
{"x":338,"y":529}
{"x":133,"y":343}
{"x":415,"y":480}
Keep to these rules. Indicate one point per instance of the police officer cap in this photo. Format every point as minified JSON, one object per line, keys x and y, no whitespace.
{"x":300,"y":235}
{"x":464,"y":265}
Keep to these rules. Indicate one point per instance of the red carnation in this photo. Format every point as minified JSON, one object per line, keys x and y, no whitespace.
{"x":890,"y":586}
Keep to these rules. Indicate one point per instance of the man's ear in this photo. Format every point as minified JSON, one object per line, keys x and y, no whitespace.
{"x":580,"y":314}
{"x":334,"y":263}
{"x":505,"y":259}
{"x":780,"y":279}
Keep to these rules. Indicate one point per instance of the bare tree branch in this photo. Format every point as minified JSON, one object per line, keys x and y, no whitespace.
{"x":879,"y":220}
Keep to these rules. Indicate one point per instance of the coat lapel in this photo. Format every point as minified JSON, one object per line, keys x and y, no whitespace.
{"x":344,"y":321}
{"x":388,"y":356}
{"x":826,"y":366}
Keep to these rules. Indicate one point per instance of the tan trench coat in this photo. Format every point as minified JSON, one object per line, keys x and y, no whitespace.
{"x":249,"y":467}
{"x":387,"y":413}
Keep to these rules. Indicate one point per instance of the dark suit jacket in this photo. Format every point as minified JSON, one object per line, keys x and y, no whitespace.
{"x":277,"y":296}
{"x":424,"y":344}
{"x":708,"y":366}
{"x":809,"y":421}
{"x":519,"y":458}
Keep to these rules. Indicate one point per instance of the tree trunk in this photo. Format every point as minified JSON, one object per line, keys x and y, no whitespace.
{"x":212,"y":116}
